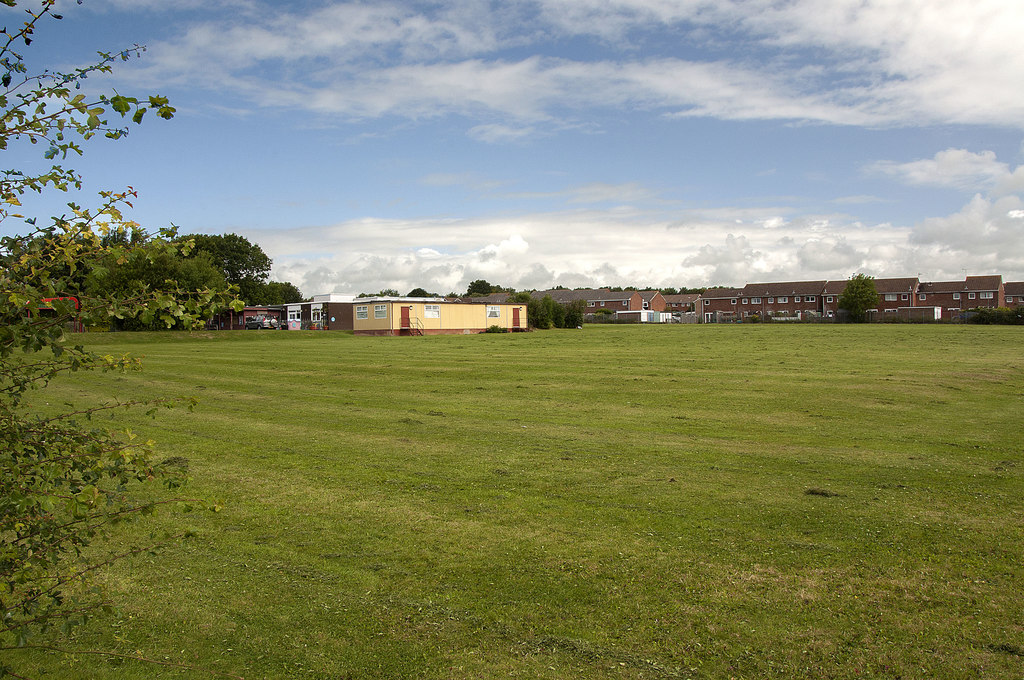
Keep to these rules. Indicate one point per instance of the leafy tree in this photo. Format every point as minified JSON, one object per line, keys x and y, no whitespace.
{"x":574,"y":311}
{"x":243,"y":263}
{"x":479,"y":287}
{"x":280,"y":293}
{"x":420,"y":292}
{"x":63,"y":482}
{"x":860,"y":295}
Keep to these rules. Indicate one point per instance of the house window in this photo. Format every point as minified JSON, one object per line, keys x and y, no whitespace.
{"x":771,"y":301}
{"x":732,"y":301}
{"x":755,"y":301}
{"x":295,"y":315}
{"x":432,"y":311}
{"x":828,"y":299}
{"x":362,"y":312}
{"x":970,"y":296}
{"x":646,"y":304}
{"x":493,"y":312}
{"x":707,"y":303}
{"x":922,"y":296}
{"x":590,"y":303}
{"x":796,"y":299}
{"x":904,"y":296}
{"x":956,"y":296}
{"x":1009,"y":298}
{"x":890,"y":297}
{"x":744,"y":300}
{"x":783,"y":300}
{"x":809,"y":298}
{"x":380,"y":311}
{"x":985,"y":296}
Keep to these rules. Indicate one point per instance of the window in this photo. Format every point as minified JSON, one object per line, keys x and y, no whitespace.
{"x":985,"y":296}
{"x":890,"y":297}
{"x":732,"y":301}
{"x":1009,"y":298}
{"x":745,"y":301}
{"x":828,"y":299}
{"x":796,"y":299}
{"x":432,"y":311}
{"x":922,"y":296}
{"x":707,"y":303}
{"x":625,"y":303}
{"x":904,"y":296}
{"x":362,"y":312}
{"x":755,"y":301}
{"x":295,"y":315}
{"x":493,"y":312}
{"x":380,"y":311}
{"x":809,"y":298}
{"x":590,"y":303}
{"x":956,"y":296}
{"x":771,"y":301}
{"x":970,"y":296}
{"x":783,"y":300}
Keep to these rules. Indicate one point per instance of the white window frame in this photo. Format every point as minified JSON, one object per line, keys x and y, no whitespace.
{"x":922,"y":296}
{"x":732,"y":301}
{"x":591,"y":303}
{"x":380,"y":311}
{"x":745,"y":301}
{"x":904,"y":296}
{"x":809,"y":298}
{"x":828,"y":298}
{"x":493,"y":312}
{"x":890,"y":297}
{"x":295,"y":315}
{"x":771,"y":301}
{"x":986,"y":296}
{"x":431,"y":311}
{"x":625,"y":303}
{"x":707,"y":303}
{"x":956,"y":296}
{"x":362,"y":312}
{"x":783,"y":300}
{"x":796,"y":299}
{"x":755,"y":301}
{"x":970,"y":296}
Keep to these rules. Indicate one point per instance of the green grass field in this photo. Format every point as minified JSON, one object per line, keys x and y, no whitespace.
{"x":618,"y":502}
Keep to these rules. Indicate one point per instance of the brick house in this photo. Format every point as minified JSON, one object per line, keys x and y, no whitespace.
{"x":957,"y":296}
{"x":653,"y":300}
{"x":1013,"y":291}
{"x":717,"y":305}
{"x":685,"y":302}
{"x":785,"y":300}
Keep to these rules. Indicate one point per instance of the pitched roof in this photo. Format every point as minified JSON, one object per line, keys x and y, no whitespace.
{"x":904,"y":285}
{"x":649,"y":295}
{"x":683,"y":298}
{"x":784,"y":288}
{"x":1014,"y":287}
{"x":984,"y":282}
{"x":721,"y":293}
{"x":587,"y":294}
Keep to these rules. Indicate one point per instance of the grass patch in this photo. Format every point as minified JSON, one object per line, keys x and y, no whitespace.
{"x":621,"y":502}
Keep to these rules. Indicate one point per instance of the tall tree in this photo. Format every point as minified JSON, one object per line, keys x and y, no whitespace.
{"x":63,"y":481}
{"x":243,"y":263}
{"x":860,"y":295}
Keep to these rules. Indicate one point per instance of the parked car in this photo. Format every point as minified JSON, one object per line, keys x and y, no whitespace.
{"x":255,"y":323}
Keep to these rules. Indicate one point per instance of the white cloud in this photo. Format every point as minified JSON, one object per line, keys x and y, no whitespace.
{"x":877,"y":62}
{"x":953,"y":168}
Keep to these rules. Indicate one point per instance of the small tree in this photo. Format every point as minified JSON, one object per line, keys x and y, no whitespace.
{"x":860,"y":295}
{"x":64,"y":482}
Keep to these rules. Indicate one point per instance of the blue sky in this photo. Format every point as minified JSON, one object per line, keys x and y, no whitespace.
{"x":369,"y":145}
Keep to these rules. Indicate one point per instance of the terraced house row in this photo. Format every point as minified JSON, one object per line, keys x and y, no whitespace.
{"x":900,"y":298}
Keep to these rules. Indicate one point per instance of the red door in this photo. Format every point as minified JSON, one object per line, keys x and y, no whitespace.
{"x":515,"y":317}
{"x":405,"y":316}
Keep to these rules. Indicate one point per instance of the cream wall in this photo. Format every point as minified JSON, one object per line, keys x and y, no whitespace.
{"x":453,"y":316}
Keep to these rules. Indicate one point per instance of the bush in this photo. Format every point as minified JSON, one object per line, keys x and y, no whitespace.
{"x":496,"y":329}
